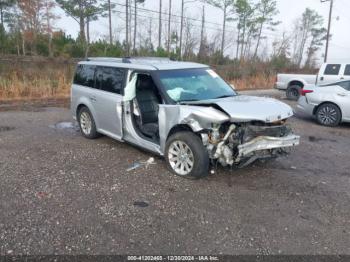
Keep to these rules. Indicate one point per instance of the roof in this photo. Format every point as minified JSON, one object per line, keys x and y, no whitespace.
{"x":142,"y":63}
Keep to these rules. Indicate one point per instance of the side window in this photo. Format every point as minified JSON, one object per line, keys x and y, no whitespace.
{"x":78,"y":75}
{"x":345,"y":85}
{"x":347,"y":70}
{"x":84,"y":75}
{"x":332,"y":69}
{"x":110,"y":79}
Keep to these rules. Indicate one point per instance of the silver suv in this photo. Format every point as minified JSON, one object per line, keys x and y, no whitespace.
{"x":180,"y":110}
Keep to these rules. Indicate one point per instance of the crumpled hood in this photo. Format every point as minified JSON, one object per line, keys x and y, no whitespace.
{"x":251,"y":108}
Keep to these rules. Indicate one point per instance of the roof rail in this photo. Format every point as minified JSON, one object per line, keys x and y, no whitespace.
{"x":106,"y":59}
{"x":132,"y":60}
{"x":145,"y":59}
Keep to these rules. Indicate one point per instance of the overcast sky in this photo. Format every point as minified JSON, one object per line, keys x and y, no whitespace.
{"x":289,"y":10}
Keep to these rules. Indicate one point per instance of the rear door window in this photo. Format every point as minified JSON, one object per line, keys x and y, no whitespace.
{"x":347,"y":70}
{"x":345,"y":85}
{"x":332,"y":69}
{"x":84,"y":75}
{"x":110,"y":79}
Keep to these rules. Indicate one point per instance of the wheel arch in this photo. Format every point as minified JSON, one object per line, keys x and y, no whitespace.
{"x":179,"y":128}
{"x":80,"y":106}
{"x":296,"y":83}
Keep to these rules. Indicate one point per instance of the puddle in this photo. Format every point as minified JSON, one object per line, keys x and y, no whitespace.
{"x":69,"y":126}
{"x":6,"y":128}
{"x":141,"y":204}
{"x":318,"y":139}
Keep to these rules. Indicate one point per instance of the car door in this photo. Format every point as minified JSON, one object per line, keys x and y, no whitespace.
{"x":330,"y":74}
{"x":109,"y":85}
{"x":343,"y":96}
{"x":346,"y":74}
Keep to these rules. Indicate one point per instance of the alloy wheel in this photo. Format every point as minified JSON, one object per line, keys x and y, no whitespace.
{"x":327,"y":115}
{"x":85,"y":123}
{"x":181,"y":158}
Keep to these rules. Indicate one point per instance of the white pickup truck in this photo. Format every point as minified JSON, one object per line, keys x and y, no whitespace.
{"x":328,"y":73}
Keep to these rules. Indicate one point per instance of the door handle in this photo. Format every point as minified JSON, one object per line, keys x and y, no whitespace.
{"x":322,"y":78}
{"x":342,"y":78}
{"x":342,"y":94}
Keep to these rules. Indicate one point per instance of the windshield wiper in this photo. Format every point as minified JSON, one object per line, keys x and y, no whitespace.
{"x":188,"y":100}
{"x":224,"y":96}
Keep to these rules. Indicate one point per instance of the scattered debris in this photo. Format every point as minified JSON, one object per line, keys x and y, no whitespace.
{"x":318,"y":139}
{"x":70,"y":126}
{"x":136,"y":165}
{"x":150,"y":161}
{"x":141,"y":204}
{"x":42,"y":194}
{"x":6,"y":128}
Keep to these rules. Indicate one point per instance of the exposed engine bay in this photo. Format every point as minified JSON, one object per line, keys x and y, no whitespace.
{"x":236,"y":131}
{"x":240,"y":144}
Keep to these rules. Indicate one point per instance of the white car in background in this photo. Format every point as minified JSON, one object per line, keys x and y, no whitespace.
{"x":329,"y":73}
{"x":329,"y":104}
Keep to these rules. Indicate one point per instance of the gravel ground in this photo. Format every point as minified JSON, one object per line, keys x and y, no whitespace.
{"x":63,"y":194}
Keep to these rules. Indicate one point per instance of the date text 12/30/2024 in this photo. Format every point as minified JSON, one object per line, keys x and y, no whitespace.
{"x":172,"y":258}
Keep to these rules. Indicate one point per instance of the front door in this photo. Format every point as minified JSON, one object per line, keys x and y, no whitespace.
{"x":343,"y":98}
{"x":107,"y":99}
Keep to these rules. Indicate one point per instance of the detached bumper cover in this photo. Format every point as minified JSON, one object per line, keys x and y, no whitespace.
{"x":267,"y":142}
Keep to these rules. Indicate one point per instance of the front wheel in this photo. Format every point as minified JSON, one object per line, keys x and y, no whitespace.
{"x":328,"y":115}
{"x":186,"y":156}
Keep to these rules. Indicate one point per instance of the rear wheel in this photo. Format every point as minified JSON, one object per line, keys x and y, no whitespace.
{"x":293,"y":92}
{"x":87,"y":124}
{"x":186,"y":156}
{"x":328,"y":114}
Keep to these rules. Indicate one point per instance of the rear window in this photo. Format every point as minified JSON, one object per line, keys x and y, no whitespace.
{"x":347,"y":70}
{"x":84,"y":75}
{"x":110,"y":79}
{"x":332,"y":69}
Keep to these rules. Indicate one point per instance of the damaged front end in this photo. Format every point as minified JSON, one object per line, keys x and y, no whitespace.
{"x":240,"y":144}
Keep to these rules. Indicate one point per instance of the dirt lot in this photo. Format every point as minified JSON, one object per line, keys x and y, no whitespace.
{"x":63,"y":194}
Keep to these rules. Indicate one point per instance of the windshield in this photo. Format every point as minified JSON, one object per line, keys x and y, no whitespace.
{"x":194,"y":85}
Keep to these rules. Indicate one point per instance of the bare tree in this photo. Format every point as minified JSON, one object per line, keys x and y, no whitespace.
{"x":266,"y":10}
{"x":160,"y":25}
{"x":135,"y":22}
{"x":49,"y":16}
{"x":169,"y":29}
{"x":190,"y":40}
{"x":127,"y":27}
{"x":307,"y":28}
{"x":227,"y":6}
{"x":110,"y":22}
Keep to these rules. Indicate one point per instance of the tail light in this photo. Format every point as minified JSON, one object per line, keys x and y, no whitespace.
{"x":303,"y":92}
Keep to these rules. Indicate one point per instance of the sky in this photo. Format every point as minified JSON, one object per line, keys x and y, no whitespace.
{"x":290,"y":10}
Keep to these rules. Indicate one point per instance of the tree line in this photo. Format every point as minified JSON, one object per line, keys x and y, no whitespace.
{"x":28,"y":28}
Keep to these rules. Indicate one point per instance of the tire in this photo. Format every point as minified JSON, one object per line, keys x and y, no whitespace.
{"x":87,"y":129}
{"x":328,"y":114}
{"x":293,"y":92}
{"x":191,"y":144}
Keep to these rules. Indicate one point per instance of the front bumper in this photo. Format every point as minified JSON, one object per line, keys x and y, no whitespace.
{"x":304,"y":106}
{"x":266,"y":142}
